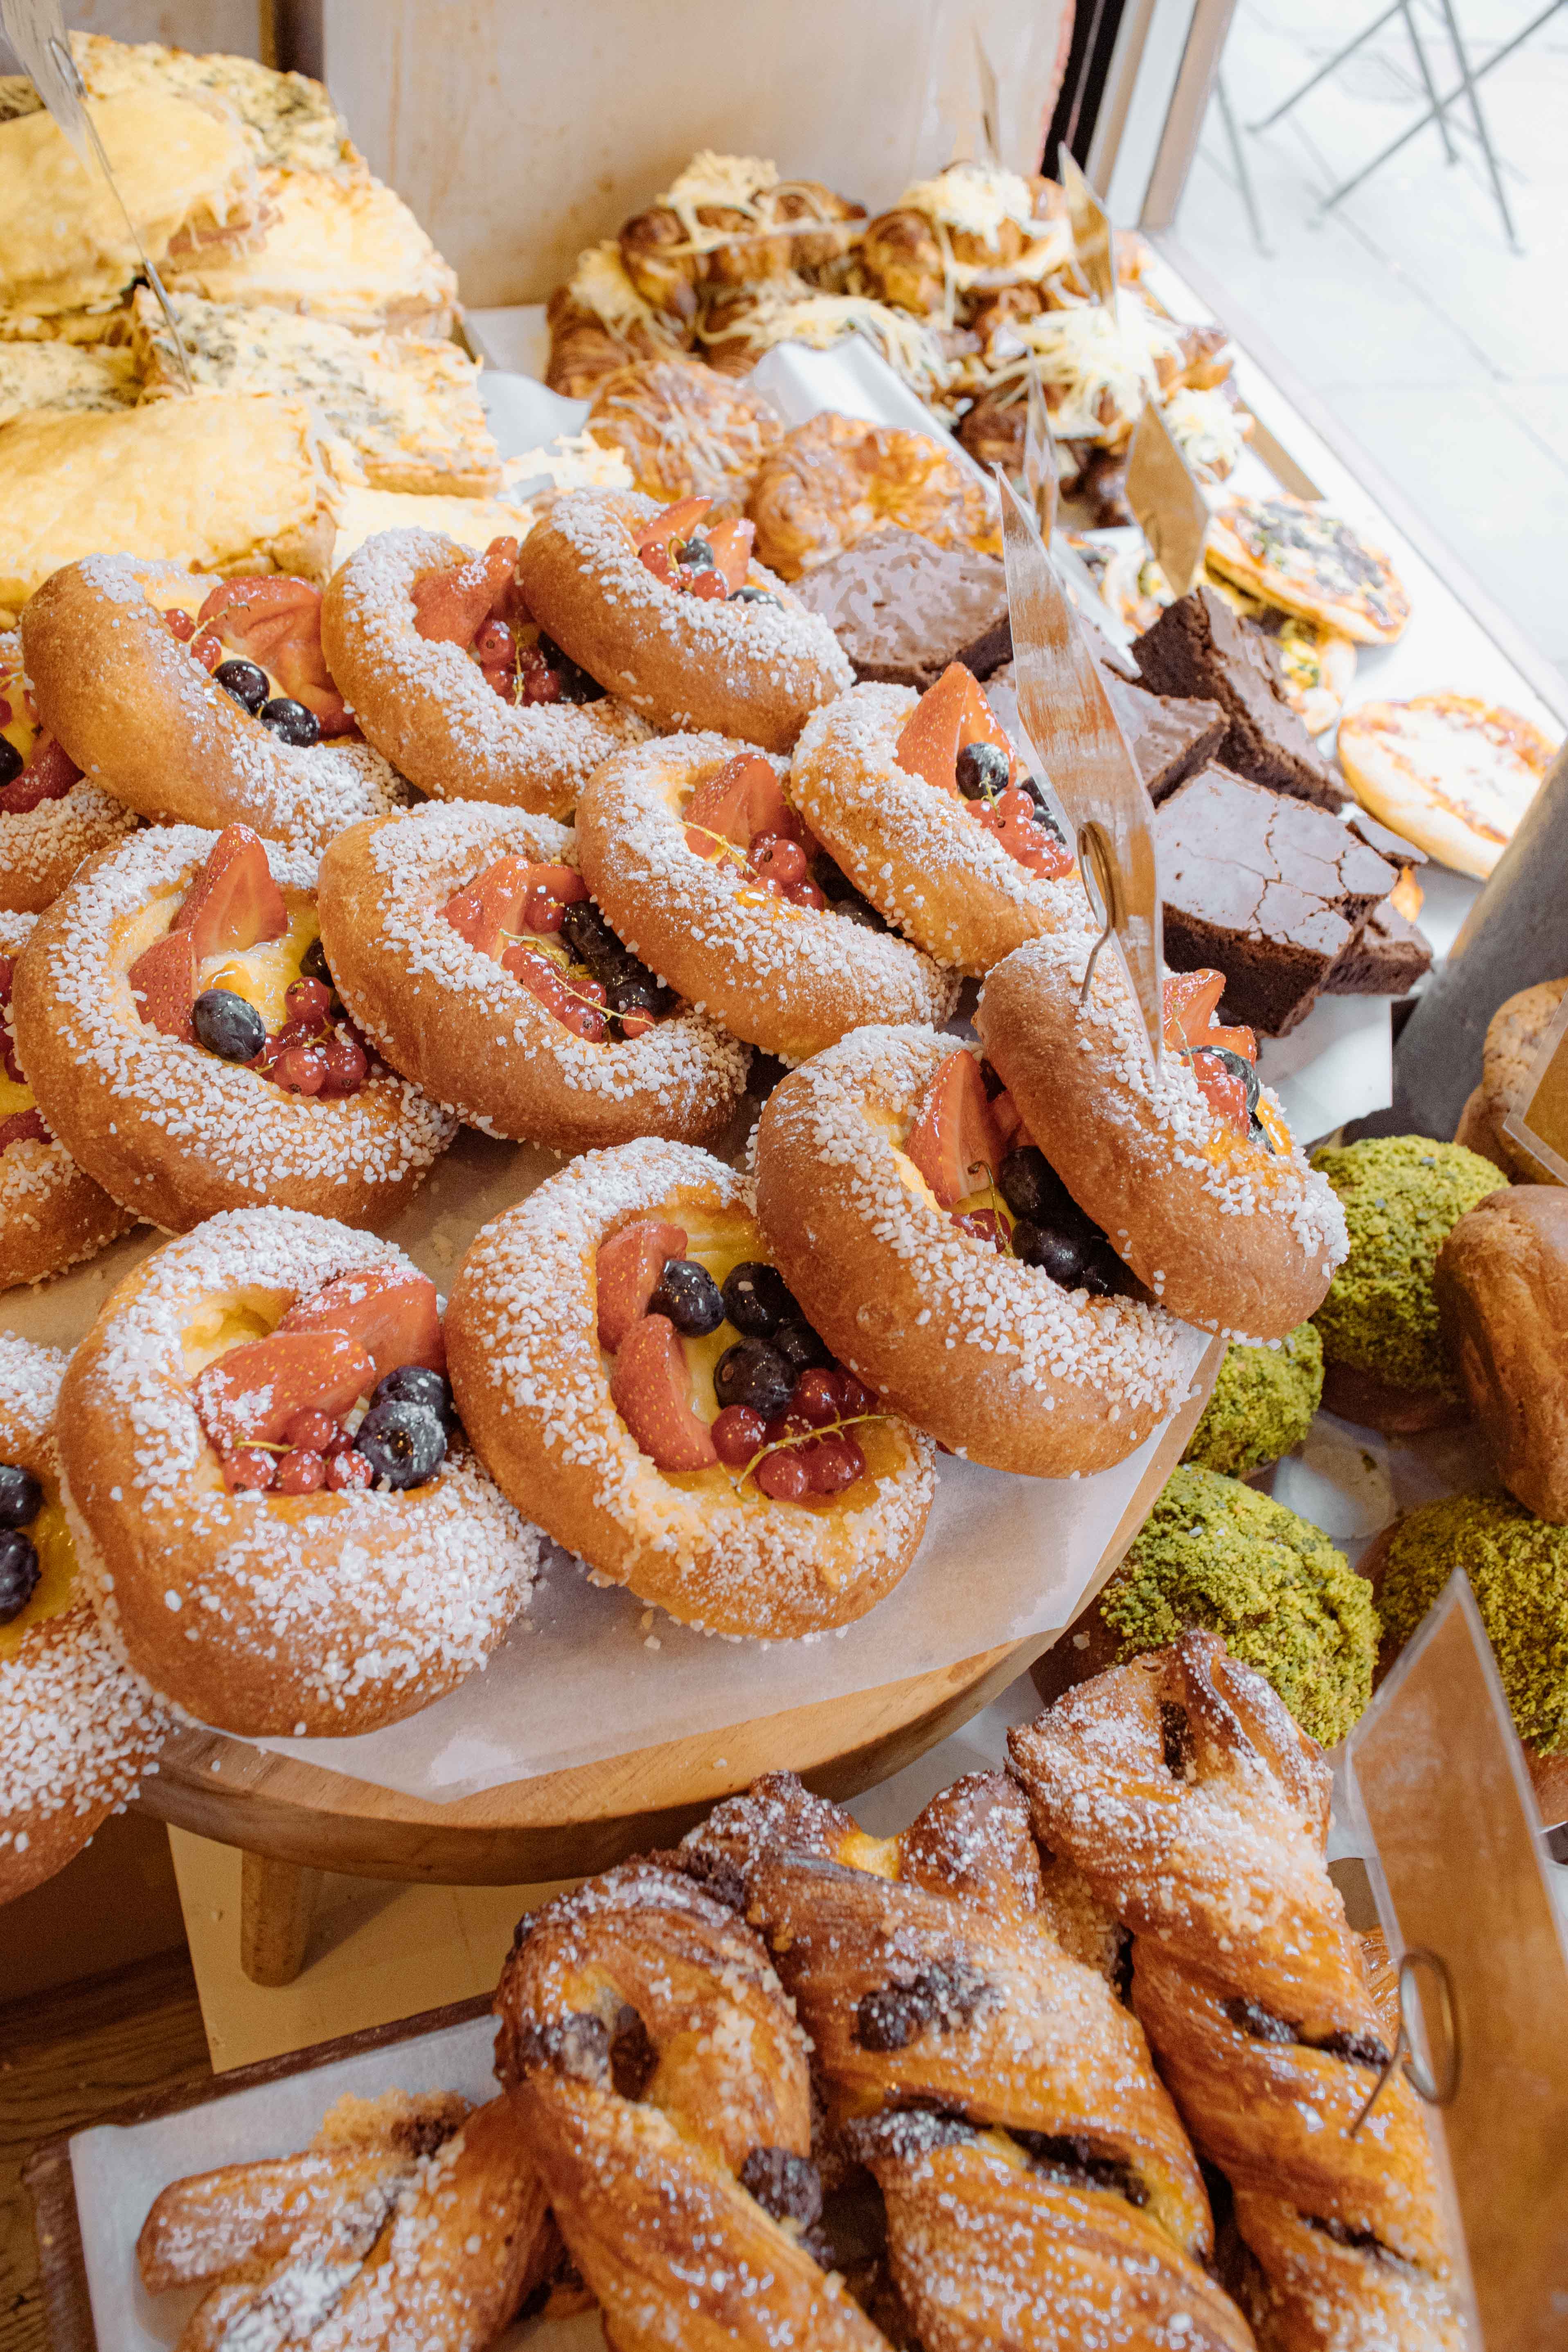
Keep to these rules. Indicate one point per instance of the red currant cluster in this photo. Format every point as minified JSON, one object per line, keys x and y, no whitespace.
{"x":689,"y":568}
{"x":312,"y":1054}
{"x":806,"y":1449}
{"x":316,"y":1452}
{"x":206,"y":646}
{"x":779,"y":865}
{"x":1024,"y":831}
{"x":985,"y":1226}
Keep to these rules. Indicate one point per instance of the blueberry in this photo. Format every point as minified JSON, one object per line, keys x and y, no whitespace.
{"x":313,"y":965}
{"x":1055,"y":1252}
{"x":689,"y":1295}
{"x":858,"y":910}
{"x":18,"y":1573}
{"x":291,"y":720}
{"x":576,"y":686}
{"x":416,"y":1384}
{"x":402,"y":1442}
{"x":755,"y":1374}
{"x":21,"y":1497}
{"x":589,"y":937}
{"x":1031,"y":1188}
{"x":228,"y":1024}
{"x":802,"y":1349}
{"x":1104,"y":1275}
{"x":245,"y":682}
{"x":751,"y":596}
{"x":757,"y":1298}
{"x":982,"y":770}
{"x":10,"y":763}
{"x":697,"y":553}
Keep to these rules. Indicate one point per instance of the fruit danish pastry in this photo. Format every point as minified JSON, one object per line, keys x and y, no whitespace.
{"x":52,"y":1214}
{"x":77,"y":1731}
{"x":923,"y":802}
{"x":677,"y":618}
{"x":1031,"y":2162}
{"x":271,"y":1499}
{"x":178,"y":1025}
{"x":694,"y":852}
{"x":633,"y":1371}
{"x":465,"y":942}
{"x":50,"y":816}
{"x":941,"y":1257}
{"x":1185,"y":1794}
{"x":200,"y":702}
{"x":436,"y":653}
{"x":1191,"y":1171}
{"x":662,"y":2081}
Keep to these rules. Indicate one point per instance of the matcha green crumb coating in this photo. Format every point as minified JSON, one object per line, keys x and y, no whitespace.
{"x":1518,"y":1567}
{"x":1401,"y":1195}
{"x":1216,"y":1554}
{"x":1262,"y":1404}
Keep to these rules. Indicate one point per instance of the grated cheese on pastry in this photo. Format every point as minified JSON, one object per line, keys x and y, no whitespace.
{"x":337,"y":248}
{"x":66,"y":375}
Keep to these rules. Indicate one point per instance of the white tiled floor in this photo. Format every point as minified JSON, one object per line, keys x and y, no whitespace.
{"x":1443,"y":353}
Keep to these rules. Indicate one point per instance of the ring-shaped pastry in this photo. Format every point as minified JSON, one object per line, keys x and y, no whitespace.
{"x":269,"y":1614}
{"x":77,"y":1731}
{"x":52,"y":1214}
{"x":50,"y":816}
{"x":141,"y":716}
{"x":788,"y":978}
{"x":1228,"y":1227}
{"x":755,"y":668}
{"x":914,"y":851}
{"x":529,"y":1375}
{"x":174,"y":1132}
{"x":431,"y":708}
{"x":447,"y":1013}
{"x":991,"y":1356}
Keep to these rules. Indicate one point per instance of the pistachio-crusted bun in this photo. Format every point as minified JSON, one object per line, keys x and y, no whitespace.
{"x":753,"y":667}
{"x":1216,"y":1555}
{"x":1384,"y":1361}
{"x":1262,"y":1404}
{"x":1518,"y":1569}
{"x":77,"y":1731}
{"x":993,"y":1356}
{"x":575,"y":1387}
{"x":329,"y":1606}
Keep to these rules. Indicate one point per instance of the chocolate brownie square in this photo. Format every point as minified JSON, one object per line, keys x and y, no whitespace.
{"x":902,"y":609}
{"x":1199,"y":647}
{"x":1169,"y":740}
{"x":1267,"y":889}
{"x":1387,"y":960}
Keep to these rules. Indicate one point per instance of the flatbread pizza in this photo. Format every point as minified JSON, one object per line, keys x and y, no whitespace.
{"x":1307,"y":561}
{"x":1450,"y":772}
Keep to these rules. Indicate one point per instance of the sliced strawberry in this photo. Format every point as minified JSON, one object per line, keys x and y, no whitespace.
{"x":651,"y":1390}
{"x":256,"y":1390}
{"x":164,"y":983}
{"x":491,"y":907}
{"x":1012,"y":1134}
{"x":234,"y":903}
{"x":48,"y":775}
{"x":276,"y":623}
{"x":675,"y":522}
{"x":954,"y":1142}
{"x":742,"y":800}
{"x":451,"y":605}
{"x":627,"y":1271}
{"x":1191,"y":998}
{"x":732,"y":545}
{"x":394,"y":1317}
{"x":1224,"y":1090}
{"x":949,"y":715}
{"x":24,"y":1127}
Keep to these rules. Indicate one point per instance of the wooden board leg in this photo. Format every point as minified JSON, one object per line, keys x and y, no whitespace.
{"x":277,"y":1905}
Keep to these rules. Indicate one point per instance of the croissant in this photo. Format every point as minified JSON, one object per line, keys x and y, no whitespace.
{"x":660,"y":2077}
{"x":1039,"y":2189}
{"x":1185,"y":1793}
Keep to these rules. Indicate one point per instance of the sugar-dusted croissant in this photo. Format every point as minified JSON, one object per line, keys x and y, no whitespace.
{"x":1039,"y":2189}
{"x":655,"y":2064}
{"x":1198,"y":1812}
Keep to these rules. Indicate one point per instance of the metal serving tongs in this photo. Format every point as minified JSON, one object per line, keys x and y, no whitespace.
{"x":36,"y":30}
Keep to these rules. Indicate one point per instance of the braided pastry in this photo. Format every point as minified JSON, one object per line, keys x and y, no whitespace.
{"x":1194,"y":1807}
{"x":1039,"y":2189}
{"x":662,"y":2083}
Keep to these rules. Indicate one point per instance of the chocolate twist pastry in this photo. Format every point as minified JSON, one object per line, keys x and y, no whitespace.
{"x":1039,"y":2189}
{"x":662,"y":2080}
{"x":1183,"y":1790}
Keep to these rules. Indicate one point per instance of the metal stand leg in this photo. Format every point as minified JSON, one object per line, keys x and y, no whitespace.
{"x":1238,"y":157}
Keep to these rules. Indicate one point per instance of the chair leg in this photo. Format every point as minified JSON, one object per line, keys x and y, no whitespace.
{"x":277,"y":1906}
{"x":1238,"y":157}
{"x":1450,"y":151}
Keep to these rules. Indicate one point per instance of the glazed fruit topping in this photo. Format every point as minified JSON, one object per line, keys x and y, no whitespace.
{"x":757,"y":1298}
{"x":628,"y":1270}
{"x":46,"y":774}
{"x":954,"y":1141}
{"x":270,"y":627}
{"x":243,"y":680}
{"x":710,"y":565}
{"x":478,"y":605}
{"x":229,"y":1026}
{"x":1223,"y":1059}
{"x":954,"y":742}
{"x":688,"y":1295}
{"x":539,"y":925}
{"x":650,"y":1388}
{"x":21,"y":1496}
{"x":740,"y":814}
{"x":19,"y":1572}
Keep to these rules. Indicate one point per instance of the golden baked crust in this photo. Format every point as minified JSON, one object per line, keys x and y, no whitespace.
{"x":1293,"y":555}
{"x":336,"y":248}
{"x":788,"y":979}
{"x":914,"y":852}
{"x":686,"y":431}
{"x":526,"y":1367}
{"x":1225,"y":1233}
{"x":173,"y":1133}
{"x":141,"y":716}
{"x":1513,"y":1040}
{"x":1452,"y":773}
{"x":1501,"y":1287}
{"x":836,"y":477}
{"x":1478,"y":1132}
{"x":314,"y":1613}
{"x":749,"y":671}
{"x":433,"y":712}
{"x":473,"y":1035}
{"x":990,"y":1356}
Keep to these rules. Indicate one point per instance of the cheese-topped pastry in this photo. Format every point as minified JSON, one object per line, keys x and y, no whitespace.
{"x":1308,"y":560}
{"x":56,"y":374}
{"x":1450,"y":772}
{"x":344,"y":249}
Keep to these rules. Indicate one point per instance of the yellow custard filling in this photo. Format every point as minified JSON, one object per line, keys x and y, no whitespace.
{"x":55,"y":1588}
{"x":14,"y":1097}
{"x":229,"y":1321}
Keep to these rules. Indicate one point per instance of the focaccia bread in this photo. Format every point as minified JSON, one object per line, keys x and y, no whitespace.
{"x":410,"y":409}
{"x":57,"y":374}
{"x":232,"y":482}
{"x":336,"y":249}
